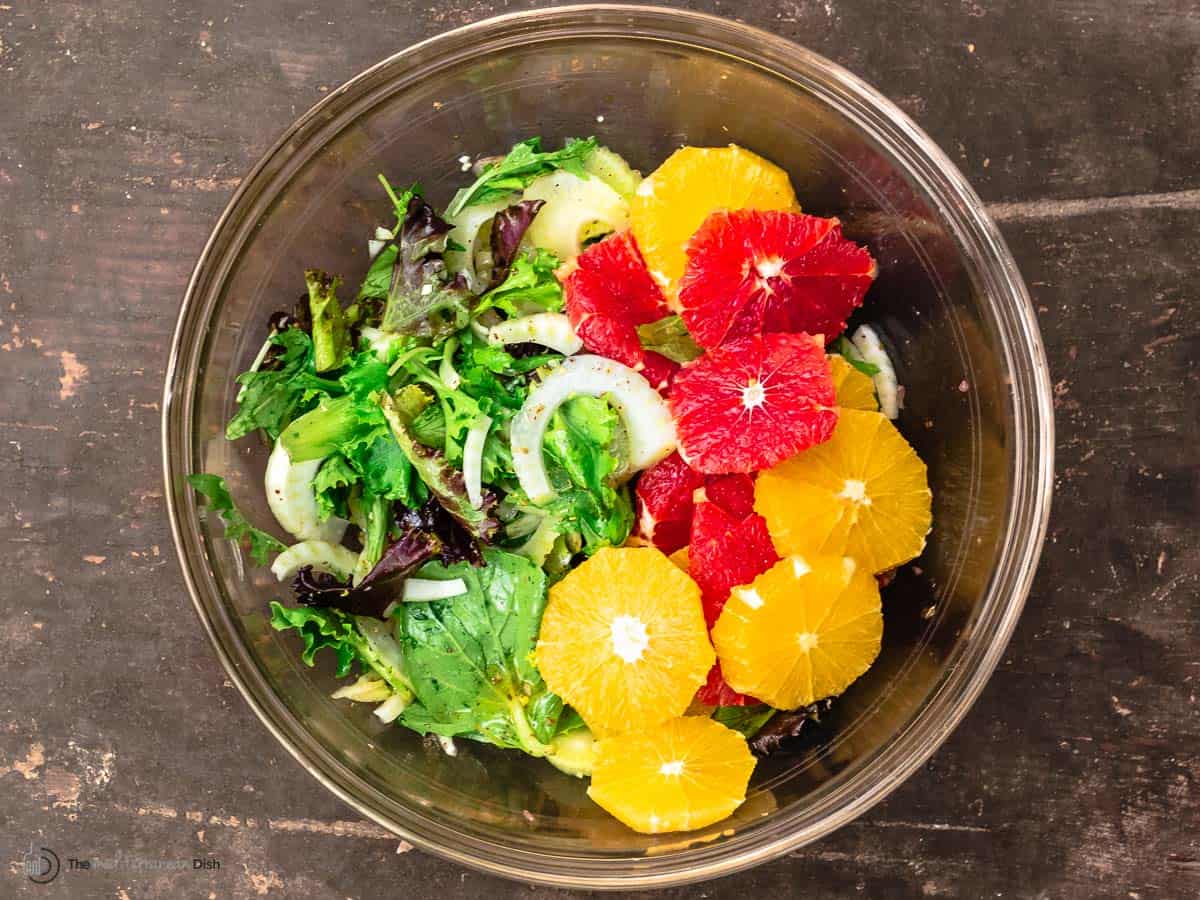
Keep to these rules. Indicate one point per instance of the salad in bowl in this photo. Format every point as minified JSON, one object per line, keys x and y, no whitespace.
{"x":589,"y":467}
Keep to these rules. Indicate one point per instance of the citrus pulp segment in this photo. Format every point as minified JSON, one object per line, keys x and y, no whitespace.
{"x":672,"y":202}
{"x":753,"y":272}
{"x":802,"y":631}
{"x":623,"y":639}
{"x":688,"y":772}
{"x":864,"y":493}
{"x":753,"y":403}
{"x":853,"y":389}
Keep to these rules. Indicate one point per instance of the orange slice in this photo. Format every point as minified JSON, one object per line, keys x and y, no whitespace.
{"x":863,"y":493}
{"x":623,"y":640}
{"x":803,"y":630}
{"x":854,"y":390}
{"x":687,"y":773}
{"x":678,"y":196}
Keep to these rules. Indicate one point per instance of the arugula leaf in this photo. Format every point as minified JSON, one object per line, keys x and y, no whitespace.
{"x":582,"y":444}
{"x":746,"y":720}
{"x":849,"y":352}
{"x":531,"y":282}
{"x":236,"y":525}
{"x":525,"y":162}
{"x":272,"y":396}
{"x":470,"y":658}
{"x":669,"y":337}
{"x":331,"y":341}
{"x":351,"y":638}
{"x":422,"y":297}
{"x":443,"y":480}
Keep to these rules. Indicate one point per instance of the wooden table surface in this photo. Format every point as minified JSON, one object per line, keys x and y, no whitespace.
{"x":124,"y":127}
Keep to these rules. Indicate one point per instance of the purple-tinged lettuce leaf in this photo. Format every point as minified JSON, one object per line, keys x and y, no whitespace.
{"x":508,"y":228}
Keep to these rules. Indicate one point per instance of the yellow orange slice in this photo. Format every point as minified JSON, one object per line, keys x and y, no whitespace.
{"x":670,"y":204}
{"x":623,"y":640}
{"x":803,"y":630}
{"x":687,"y":773}
{"x":863,"y":493}
{"x":854,"y":390}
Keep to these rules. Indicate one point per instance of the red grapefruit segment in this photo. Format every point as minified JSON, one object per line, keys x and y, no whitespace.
{"x":752,"y":271}
{"x":664,"y":497}
{"x":726,"y":551}
{"x":753,"y":403}
{"x":717,"y":692}
{"x":609,"y":293}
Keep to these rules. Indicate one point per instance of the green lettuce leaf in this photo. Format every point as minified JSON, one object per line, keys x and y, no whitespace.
{"x":530,"y":285}
{"x":583,"y":445}
{"x":443,"y":480}
{"x":272,"y":396}
{"x":470,"y":658}
{"x":331,"y":486}
{"x":849,"y":352}
{"x":237,"y":528}
{"x":352,"y":639}
{"x":669,"y":337}
{"x":525,"y":162}
{"x":746,"y":720}
{"x":331,"y":339}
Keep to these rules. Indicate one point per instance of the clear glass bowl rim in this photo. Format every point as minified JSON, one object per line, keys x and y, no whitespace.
{"x":963,"y":214}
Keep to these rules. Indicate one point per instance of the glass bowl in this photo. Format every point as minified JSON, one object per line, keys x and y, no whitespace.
{"x":948,"y":298}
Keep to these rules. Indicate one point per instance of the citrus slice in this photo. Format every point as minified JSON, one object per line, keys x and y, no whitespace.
{"x":853,"y":389}
{"x":717,"y":692}
{"x":678,"y":196}
{"x":726,"y":551}
{"x":750,"y":272}
{"x":667,"y":495}
{"x":863,"y":493}
{"x":608,"y":294}
{"x":623,"y":640}
{"x":688,"y":772}
{"x":664,"y":499}
{"x":733,"y":493}
{"x":802,"y":631}
{"x":753,"y":403}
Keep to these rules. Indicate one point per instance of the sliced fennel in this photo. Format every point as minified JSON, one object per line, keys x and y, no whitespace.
{"x":887,"y":388}
{"x":551,"y":330}
{"x":648,"y":424}
{"x":380,"y":342}
{"x":291,"y":499}
{"x":576,"y":210}
{"x":611,"y":168}
{"x":422,"y":590}
{"x":472,"y":466}
{"x":389,"y":710}
{"x":573,"y":753}
{"x":470,"y":227}
{"x":367,"y":689}
{"x":321,"y":555}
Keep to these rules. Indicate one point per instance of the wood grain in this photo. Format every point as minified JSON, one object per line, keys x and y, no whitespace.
{"x":124,"y":126}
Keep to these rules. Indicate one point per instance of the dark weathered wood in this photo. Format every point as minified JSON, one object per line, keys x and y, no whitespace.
{"x":123,"y":128}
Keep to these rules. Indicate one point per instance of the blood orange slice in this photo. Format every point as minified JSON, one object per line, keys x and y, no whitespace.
{"x":717,"y":692}
{"x":733,"y":493}
{"x":726,"y":551}
{"x":609,"y":293}
{"x":664,"y":495}
{"x":753,"y":271}
{"x":753,"y":403}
